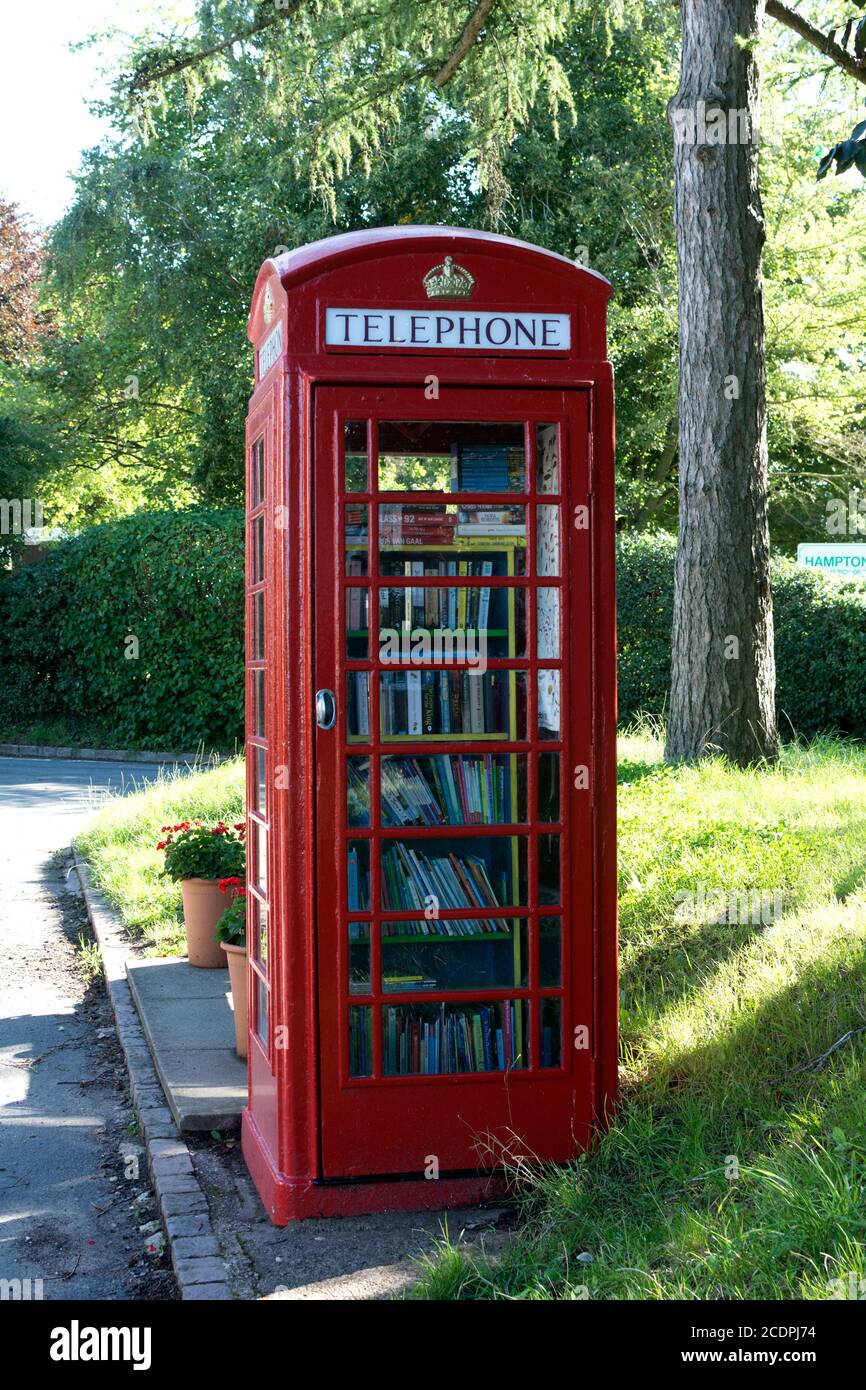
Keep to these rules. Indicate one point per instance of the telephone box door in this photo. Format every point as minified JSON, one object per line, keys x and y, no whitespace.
{"x":453,"y":751}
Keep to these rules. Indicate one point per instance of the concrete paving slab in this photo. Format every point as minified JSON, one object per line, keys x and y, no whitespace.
{"x":187,"y":1020}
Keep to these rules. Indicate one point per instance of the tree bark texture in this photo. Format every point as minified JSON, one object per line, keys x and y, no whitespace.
{"x":723,"y":671}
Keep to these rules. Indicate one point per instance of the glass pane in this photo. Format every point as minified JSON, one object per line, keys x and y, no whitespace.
{"x":548,"y":869}
{"x":358,"y":791}
{"x":262,"y":1011}
{"x":547,"y":458}
{"x":549,"y":953}
{"x":357,"y":623}
{"x":434,"y":956}
{"x":430,"y":1039}
{"x":454,"y":789}
{"x":441,"y":537}
{"x":466,"y":624}
{"x":443,"y":456}
{"x":359,"y":957}
{"x":259,"y":783}
{"x":548,"y":786}
{"x":260,"y":855}
{"x":548,"y":623}
{"x":355,"y":455}
{"x":547,"y":540}
{"x":551,"y":1032}
{"x":453,"y":704}
{"x":548,"y":705}
{"x":358,"y":858}
{"x":257,"y":550}
{"x":360,"y":1041}
{"x":258,"y":651}
{"x":258,"y":473}
{"x":442,"y":875}
{"x":358,"y":704}
{"x":259,"y":703}
{"x":357,"y":521}
{"x":258,"y":931}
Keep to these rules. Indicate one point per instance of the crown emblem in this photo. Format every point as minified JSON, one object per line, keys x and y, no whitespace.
{"x":268,"y":306}
{"x":448,"y":281}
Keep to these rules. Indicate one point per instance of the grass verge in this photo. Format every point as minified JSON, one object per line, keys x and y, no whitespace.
{"x":120,"y":848}
{"x":734,"y":1169}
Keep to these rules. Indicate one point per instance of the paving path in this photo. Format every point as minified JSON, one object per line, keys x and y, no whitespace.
{"x":68,"y":1156}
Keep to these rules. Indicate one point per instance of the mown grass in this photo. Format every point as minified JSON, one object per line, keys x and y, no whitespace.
{"x":720,"y":1022}
{"x":716,"y":1021}
{"x":120,"y":851}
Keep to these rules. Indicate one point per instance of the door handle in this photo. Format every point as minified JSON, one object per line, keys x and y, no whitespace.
{"x":326,"y":709}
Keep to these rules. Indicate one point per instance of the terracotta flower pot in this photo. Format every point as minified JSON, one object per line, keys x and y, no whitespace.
{"x":237,"y":957}
{"x":203,"y":906}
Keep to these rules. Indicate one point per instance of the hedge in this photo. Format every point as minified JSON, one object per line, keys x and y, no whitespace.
{"x":174,"y":582}
{"x":134,"y":627}
{"x":820,"y":627}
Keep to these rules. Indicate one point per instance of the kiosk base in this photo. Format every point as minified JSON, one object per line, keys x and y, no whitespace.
{"x":298,"y":1199}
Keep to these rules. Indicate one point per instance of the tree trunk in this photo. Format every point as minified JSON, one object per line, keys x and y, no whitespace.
{"x":723,"y":673}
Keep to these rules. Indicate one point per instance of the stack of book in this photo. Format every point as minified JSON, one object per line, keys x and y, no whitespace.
{"x":431,"y":524}
{"x":433,"y":608}
{"x":453,"y":1038}
{"x":360,"y":1043}
{"x":412,"y":879}
{"x":358,"y":714}
{"x":356,"y":525}
{"x":444,"y":927}
{"x":444,"y":702}
{"x":485,"y":520}
{"x":357,"y":794}
{"x":487,"y":468}
{"x":445,"y":789}
{"x":359,"y":881}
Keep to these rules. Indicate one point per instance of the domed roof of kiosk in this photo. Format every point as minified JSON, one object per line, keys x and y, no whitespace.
{"x":318,"y":256}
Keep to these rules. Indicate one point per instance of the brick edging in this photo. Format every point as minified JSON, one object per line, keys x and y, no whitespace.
{"x":195,"y":1254}
{"x":107,"y":755}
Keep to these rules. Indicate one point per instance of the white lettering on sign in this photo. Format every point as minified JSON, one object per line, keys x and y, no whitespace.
{"x":447,"y":328}
{"x":270,"y":350}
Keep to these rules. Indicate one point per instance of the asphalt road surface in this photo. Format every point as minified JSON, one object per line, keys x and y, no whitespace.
{"x":73,"y":1196}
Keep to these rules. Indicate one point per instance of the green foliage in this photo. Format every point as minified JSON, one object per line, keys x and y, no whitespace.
{"x":203,"y":851}
{"x":820,"y":629}
{"x":232,"y":926}
{"x":328,"y":118}
{"x":137,"y":626}
{"x":174,"y":581}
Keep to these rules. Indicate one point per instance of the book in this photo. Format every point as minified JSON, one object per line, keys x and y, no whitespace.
{"x":431,"y":1038}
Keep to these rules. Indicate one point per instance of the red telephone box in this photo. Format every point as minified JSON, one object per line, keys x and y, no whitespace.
{"x":431,"y":713}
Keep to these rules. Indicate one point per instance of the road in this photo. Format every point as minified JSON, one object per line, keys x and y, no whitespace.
{"x":69,"y":1169}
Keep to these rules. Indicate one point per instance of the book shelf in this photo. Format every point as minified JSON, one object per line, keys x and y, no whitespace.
{"x":440,"y":790}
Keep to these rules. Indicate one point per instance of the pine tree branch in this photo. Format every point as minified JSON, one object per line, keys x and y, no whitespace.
{"x":464,"y":43}
{"x":834,"y":51}
{"x":158,"y":65}
{"x":170,"y":64}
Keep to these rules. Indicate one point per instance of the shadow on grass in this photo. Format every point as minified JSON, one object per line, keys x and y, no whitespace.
{"x":654,"y":1204}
